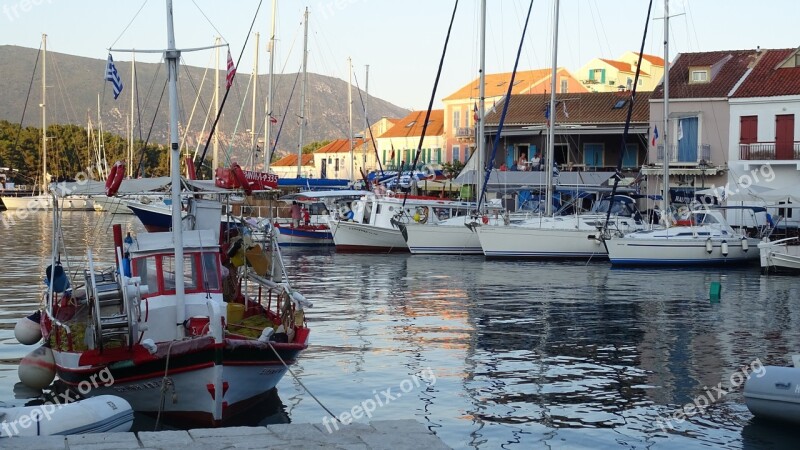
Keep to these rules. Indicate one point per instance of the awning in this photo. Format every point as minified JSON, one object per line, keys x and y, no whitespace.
{"x":135,"y":186}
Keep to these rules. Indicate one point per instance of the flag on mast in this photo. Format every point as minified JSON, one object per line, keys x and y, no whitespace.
{"x":655,"y":135}
{"x":475,"y":116}
{"x":231,"y":72}
{"x":113,"y":77}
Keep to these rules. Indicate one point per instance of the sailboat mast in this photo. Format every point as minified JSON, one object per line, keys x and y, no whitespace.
{"x":171,"y":56}
{"x":215,"y":150}
{"x":44,"y":113}
{"x":268,"y":118}
{"x":481,"y":104}
{"x":255,"y":97}
{"x":666,"y":113}
{"x":366,"y":123}
{"x":133,"y":103}
{"x":350,"y":115}
{"x":303,"y":96}
{"x":550,"y":160}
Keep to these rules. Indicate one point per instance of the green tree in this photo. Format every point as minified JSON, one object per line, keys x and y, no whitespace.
{"x":452,"y":169}
{"x":314,"y":146}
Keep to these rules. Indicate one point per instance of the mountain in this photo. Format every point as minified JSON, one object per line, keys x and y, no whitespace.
{"x":75,"y":82}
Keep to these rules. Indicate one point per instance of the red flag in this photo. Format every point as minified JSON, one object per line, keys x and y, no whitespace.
{"x":475,"y":116}
{"x":231,"y":71}
{"x":273,"y":120}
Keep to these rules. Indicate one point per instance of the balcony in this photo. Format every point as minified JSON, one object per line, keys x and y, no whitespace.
{"x":465,"y":132}
{"x":768,"y":151}
{"x":685,"y":156}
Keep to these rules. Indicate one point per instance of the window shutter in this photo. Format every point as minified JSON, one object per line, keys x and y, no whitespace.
{"x":603,"y":75}
{"x":591,"y":74}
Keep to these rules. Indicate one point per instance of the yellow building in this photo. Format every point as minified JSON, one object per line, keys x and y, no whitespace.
{"x":399,"y":144}
{"x":609,"y":75}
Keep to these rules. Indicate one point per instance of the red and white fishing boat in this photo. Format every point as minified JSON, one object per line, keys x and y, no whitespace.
{"x":193,"y":324}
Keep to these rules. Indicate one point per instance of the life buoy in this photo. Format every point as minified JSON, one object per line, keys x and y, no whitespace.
{"x":420,"y":216}
{"x":114,"y":179}
{"x":238,"y":173}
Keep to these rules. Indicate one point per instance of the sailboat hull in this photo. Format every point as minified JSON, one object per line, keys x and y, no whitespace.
{"x":675,"y":251}
{"x":358,"y":237}
{"x":540,"y":243}
{"x":442,"y":240}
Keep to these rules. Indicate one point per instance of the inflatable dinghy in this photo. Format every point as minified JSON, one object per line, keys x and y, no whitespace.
{"x":775,"y":395}
{"x":104,"y":413}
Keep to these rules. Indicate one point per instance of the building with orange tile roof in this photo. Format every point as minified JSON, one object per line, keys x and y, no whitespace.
{"x":460,"y":107}
{"x":609,"y":75}
{"x":399,"y":144}
{"x":286,"y":167}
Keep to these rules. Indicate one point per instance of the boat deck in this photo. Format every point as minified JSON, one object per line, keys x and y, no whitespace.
{"x":382,"y":434}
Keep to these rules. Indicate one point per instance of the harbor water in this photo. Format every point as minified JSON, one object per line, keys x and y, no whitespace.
{"x":492,"y":354}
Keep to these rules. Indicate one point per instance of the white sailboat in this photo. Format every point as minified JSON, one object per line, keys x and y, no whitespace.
{"x":44,"y":201}
{"x":454,"y":235}
{"x":549,"y":236}
{"x":704,"y":238}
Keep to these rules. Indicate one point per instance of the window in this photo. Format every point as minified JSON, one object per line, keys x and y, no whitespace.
{"x":611,"y":82}
{"x":620,"y":104}
{"x":438,"y":152}
{"x":456,"y":119}
{"x":699,"y":76}
{"x":593,"y":155}
{"x":336,"y":166}
{"x":630,"y":158}
{"x":640,"y":82}
{"x":189,"y":272}
{"x":411,"y":124}
{"x":564,"y":85}
{"x":456,"y":153}
{"x":748,"y":129}
{"x":629,"y":84}
{"x":210,"y":272}
{"x":146,"y":269}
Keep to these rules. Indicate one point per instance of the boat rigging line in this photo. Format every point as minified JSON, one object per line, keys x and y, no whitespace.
{"x":369,"y":128}
{"x":199,"y":164}
{"x":487,"y":170}
{"x":624,"y":141}
{"x":430,"y":103}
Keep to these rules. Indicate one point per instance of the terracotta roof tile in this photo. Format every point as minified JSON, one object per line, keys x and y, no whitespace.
{"x":732,"y":65}
{"x":497,"y":84}
{"x":340,"y":146}
{"x":291,"y":160}
{"x":767,"y":80}
{"x":582,"y":108}
{"x":652,"y":59}
{"x":411,"y":125}
{"x":622,"y":66}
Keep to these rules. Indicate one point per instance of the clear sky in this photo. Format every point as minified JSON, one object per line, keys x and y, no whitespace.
{"x":401,"y":41}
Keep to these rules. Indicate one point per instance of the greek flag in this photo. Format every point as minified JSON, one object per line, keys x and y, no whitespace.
{"x":113,"y":77}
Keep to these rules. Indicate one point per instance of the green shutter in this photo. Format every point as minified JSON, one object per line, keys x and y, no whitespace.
{"x":603,"y":75}
{"x":384,"y":157}
{"x":591,"y":74}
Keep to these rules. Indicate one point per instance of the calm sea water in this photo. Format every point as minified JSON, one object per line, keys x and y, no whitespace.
{"x":494,"y":354}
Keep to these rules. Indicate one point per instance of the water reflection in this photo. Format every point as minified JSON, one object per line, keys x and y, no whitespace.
{"x":525,"y":354}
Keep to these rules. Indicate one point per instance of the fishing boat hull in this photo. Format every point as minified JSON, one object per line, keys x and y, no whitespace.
{"x":304,"y":236}
{"x":358,"y":237}
{"x":208,"y":383}
{"x":442,"y":240}
{"x":634,"y":251}
{"x":780,"y":256}
{"x":101,"y":414}
{"x":511,"y":241}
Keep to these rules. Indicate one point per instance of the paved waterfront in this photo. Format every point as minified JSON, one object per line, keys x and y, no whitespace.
{"x":382,"y":434}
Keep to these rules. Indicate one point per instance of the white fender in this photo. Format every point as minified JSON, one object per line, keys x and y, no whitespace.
{"x":709,"y":246}
{"x":745,"y":245}
{"x":724,"y":248}
{"x":38,"y":368}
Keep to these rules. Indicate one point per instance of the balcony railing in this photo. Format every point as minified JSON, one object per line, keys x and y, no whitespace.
{"x":767,"y":151}
{"x":703,"y":154}
{"x":465,"y":132}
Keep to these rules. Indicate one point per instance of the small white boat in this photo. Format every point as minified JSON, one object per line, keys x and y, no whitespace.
{"x":780,"y":255}
{"x":774,"y":394}
{"x":101,"y":414}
